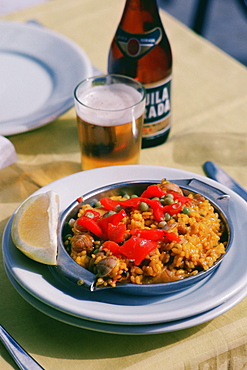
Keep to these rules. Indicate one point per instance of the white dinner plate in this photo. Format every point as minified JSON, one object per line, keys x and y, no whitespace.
{"x":109,"y":307}
{"x":129,"y":329}
{"x":39,"y":70}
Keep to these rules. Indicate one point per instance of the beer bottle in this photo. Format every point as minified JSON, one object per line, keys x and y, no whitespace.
{"x":140,"y":49}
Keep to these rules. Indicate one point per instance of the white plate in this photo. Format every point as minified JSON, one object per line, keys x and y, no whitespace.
{"x":38,"y":74}
{"x":129,"y":329}
{"x":107,"y":307}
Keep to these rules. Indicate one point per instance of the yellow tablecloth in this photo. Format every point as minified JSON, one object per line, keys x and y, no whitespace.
{"x":209,"y":123}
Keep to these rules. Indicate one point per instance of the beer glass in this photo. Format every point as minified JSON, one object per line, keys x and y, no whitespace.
{"x":110,"y":113}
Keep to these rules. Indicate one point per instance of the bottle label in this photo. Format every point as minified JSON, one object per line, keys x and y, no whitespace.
{"x":137,"y":45}
{"x":157,"y":118}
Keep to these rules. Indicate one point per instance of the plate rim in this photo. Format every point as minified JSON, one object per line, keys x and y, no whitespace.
{"x":135,"y":318}
{"x":47,"y":112}
{"x":156,"y":328}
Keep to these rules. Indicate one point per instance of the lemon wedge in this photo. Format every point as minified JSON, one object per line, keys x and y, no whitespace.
{"x":34,"y":227}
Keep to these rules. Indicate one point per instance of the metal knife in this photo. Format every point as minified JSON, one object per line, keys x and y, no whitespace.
{"x":23,"y":360}
{"x":213,"y":171}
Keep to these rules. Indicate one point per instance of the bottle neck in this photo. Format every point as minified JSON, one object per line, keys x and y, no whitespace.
{"x":140,"y":14}
{"x":142,"y":5}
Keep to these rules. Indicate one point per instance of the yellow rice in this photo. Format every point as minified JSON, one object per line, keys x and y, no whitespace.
{"x":199,"y":247}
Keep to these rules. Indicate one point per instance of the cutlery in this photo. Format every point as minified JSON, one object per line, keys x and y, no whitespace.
{"x":23,"y":360}
{"x":213,"y":171}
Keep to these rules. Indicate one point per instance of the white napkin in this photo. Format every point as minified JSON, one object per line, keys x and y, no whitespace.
{"x":8,"y":154}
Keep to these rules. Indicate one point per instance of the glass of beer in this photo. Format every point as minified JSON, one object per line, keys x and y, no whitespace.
{"x":110,"y":113}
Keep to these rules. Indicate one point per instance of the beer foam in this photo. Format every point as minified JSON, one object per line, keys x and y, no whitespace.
{"x":110,"y":105}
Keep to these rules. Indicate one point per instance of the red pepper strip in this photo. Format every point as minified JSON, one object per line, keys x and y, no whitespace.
{"x":154,"y":204}
{"x":180,"y":198}
{"x":153,"y":191}
{"x":96,"y":215}
{"x":137,"y":248}
{"x":108,"y":204}
{"x":134,"y":202}
{"x":150,"y":234}
{"x":90,"y":225}
{"x":170,"y":236}
{"x":173,"y":209}
{"x":112,"y":246}
{"x":155,"y":234}
{"x":117,"y":217}
{"x":158,"y":209}
{"x":156,"y":191}
{"x":134,"y":248}
{"x":80,"y":199}
{"x":113,"y":219}
{"x":116,"y":233}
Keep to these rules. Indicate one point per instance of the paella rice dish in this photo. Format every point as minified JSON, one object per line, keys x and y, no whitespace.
{"x":158,"y":236}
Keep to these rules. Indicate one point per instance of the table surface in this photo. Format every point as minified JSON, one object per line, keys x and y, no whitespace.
{"x":209,"y":123}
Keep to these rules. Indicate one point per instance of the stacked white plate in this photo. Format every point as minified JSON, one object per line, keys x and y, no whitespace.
{"x":39,"y":72}
{"x":112,"y":312}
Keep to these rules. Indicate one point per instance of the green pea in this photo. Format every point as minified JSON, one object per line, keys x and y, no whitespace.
{"x":109,"y":213}
{"x":98,"y":204}
{"x":143,"y":206}
{"x":133,"y":196}
{"x":167,"y":216}
{"x":67,"y":236}
{"x":186,"y":210}
{"x":126,"y":196}
{"x":168,"y":201}
{"x":155,"y":198}
{"x":162,"y":224}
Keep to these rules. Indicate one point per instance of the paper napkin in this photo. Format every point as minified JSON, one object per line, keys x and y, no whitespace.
{"x":8,"y":154}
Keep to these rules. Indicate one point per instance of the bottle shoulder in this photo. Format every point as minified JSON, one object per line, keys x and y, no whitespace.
{"x":153,"y":66}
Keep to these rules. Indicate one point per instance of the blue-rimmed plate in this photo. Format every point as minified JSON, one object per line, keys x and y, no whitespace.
{"x":108,"y":307}
{"x":39,"y":71}
{"x":162,"y":327}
